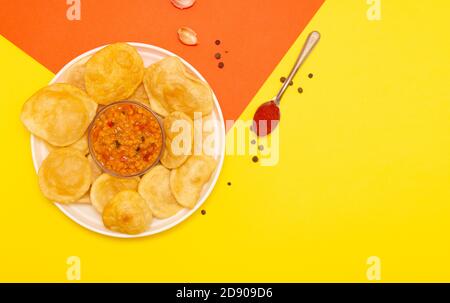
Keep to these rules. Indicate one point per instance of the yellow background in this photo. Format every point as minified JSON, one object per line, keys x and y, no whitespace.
{"x":364,"y":170}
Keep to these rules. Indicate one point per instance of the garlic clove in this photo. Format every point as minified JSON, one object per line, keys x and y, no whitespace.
{"x":182,"y":4}
{"x":187,"y":36}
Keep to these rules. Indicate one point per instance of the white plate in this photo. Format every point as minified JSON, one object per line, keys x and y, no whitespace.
{"x":85,"y":214}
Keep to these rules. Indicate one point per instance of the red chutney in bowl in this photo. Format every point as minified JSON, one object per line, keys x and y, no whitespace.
{"x":125,"y":139}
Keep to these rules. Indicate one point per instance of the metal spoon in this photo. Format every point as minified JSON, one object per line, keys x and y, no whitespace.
{"x":268,"y":114}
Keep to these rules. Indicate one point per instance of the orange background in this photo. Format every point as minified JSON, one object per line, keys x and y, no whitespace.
{"x":256,"y":34}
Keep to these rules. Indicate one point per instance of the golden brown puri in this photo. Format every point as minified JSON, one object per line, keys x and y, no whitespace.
{"x":113,"y":73}
{"x":59,"y":113}
{"x":65,"y":175}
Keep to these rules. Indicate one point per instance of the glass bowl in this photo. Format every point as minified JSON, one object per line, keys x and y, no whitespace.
{"x":94,"y":155}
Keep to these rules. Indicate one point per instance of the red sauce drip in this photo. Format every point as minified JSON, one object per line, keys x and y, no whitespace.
{"x":266,"y":118}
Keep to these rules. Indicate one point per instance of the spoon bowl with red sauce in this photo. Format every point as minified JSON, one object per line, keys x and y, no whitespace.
{"x":267,"y":116}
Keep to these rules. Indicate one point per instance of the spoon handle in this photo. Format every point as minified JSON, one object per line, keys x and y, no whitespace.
{"x":312,"y":40}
